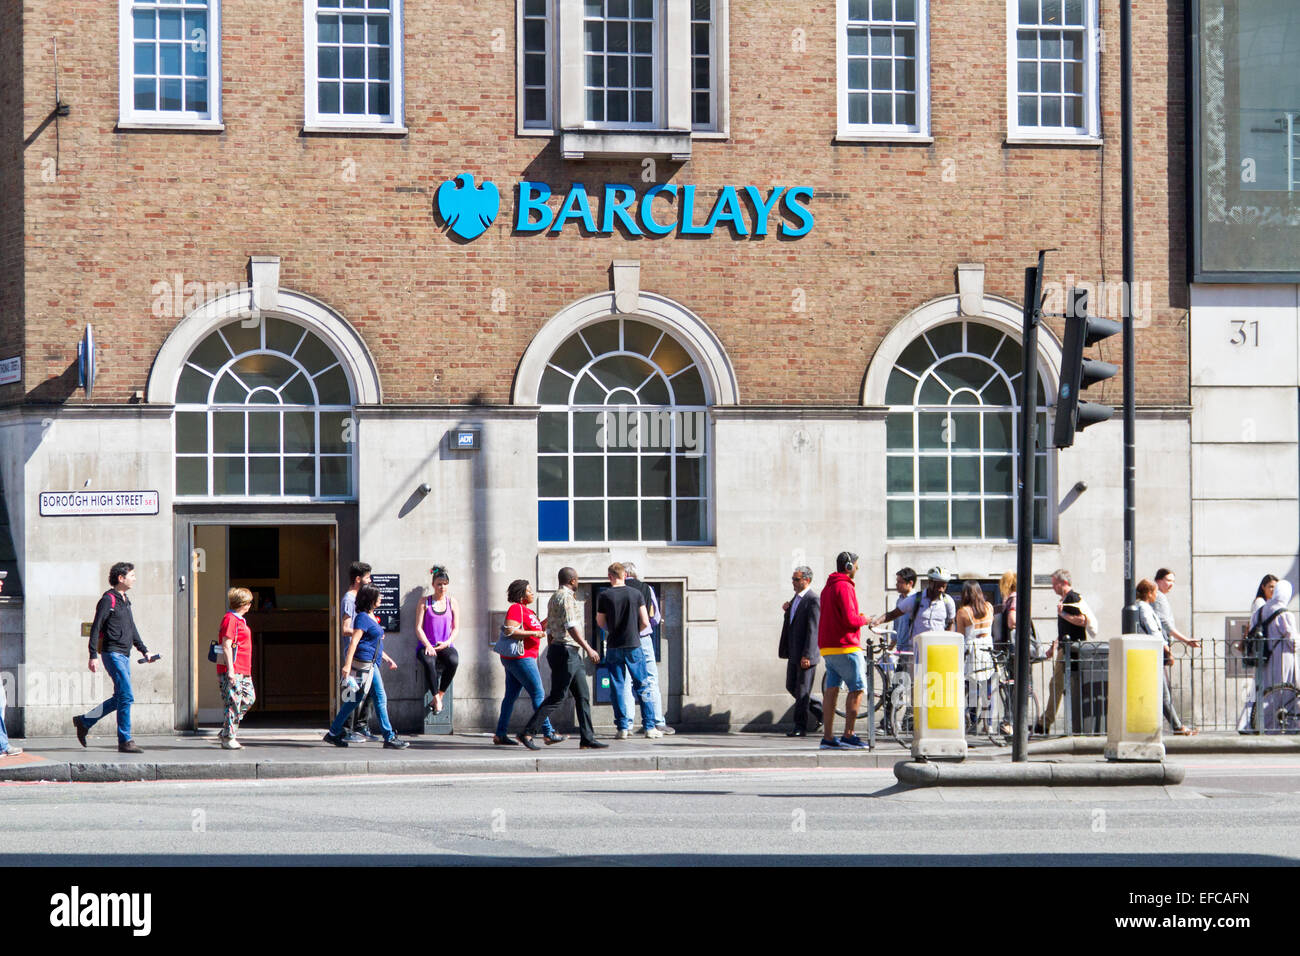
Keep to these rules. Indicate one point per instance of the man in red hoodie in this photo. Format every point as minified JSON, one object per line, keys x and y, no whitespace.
{"x":840,"y":643}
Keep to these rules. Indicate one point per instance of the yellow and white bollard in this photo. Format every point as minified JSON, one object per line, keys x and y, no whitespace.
{"x":939,"y":695}
{"x":1134,"y":711}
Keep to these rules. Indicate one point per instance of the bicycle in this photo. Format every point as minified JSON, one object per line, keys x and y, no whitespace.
{"x":1281,"y":703}
{"x":898,"y":722}
{"x":877,"y":658}
{"x":1005,"y":695}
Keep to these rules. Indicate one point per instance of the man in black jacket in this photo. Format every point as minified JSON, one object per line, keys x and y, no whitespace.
{"x":113,"y":633}
{"x":799,"y":649}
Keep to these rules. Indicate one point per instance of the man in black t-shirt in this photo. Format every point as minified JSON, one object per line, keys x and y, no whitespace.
{"x":1071,"y":627}
{"x":621,"y":613}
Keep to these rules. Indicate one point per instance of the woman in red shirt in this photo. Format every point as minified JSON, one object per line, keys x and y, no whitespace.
{"x":236,"y":673}
{"x":521,"y":672}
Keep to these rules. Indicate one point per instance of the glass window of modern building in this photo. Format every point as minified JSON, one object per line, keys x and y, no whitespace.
{"x":622,"y":439}
{"x":353,"y":63}
{"x":264,"y":412}
{"x":170,"y":62}
{"x":952,"y":437}
{"x":883,"y":67}
{"x":1052,"y":62}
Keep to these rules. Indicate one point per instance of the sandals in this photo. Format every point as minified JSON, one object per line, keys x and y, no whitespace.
{"x":1186,"y":732}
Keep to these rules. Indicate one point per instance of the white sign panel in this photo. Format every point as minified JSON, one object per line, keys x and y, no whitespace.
{"x":69,"y":503}
{"x":11,"y":370}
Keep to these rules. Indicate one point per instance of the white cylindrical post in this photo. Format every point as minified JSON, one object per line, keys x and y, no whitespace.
{"x":939,"y":695}
{"x":1134,"y":711}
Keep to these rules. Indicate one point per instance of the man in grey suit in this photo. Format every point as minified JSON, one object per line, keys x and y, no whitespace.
{"x":799,"y":649}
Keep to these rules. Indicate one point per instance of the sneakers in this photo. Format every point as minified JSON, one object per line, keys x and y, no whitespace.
{"x":665,"y":730}
{"x":654,"y":733}
{"x":337,"y":741}
{"x":367,"y":735}
{"x":12,"y":752}
{"x":81,"y":730}
{"x":230,"y":743}
{"x":855,"y":742}
{"x":623,"y":735}
{"x":130,"y":747}
{"x":832,"y":744}
{"x":395,"y":743}
{"x":355,"y":738}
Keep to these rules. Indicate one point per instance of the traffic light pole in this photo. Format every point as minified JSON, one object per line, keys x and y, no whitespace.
{"x":1025,"y":503}
{"x":1130,"y":361}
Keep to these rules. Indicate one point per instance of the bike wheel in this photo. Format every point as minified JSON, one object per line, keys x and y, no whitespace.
{"x":1280,"y":709}
{"x":869,"y":704}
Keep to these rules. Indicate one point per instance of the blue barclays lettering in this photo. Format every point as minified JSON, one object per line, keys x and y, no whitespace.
{"x":620,"y":206}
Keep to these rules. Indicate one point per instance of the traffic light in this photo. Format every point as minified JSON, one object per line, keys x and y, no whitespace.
{"x":1077,"y":372}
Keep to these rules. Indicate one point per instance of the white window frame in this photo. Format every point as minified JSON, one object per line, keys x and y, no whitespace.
{"x":211,"y":407}
{"x":658,"y":71}
{"x":1044,"y":458}
{"x":131,"y":118}
{"x":705,"y":498}
{"x":544,"y":127}
{"x":1090,"y":133}
{"x":561,"y":14}
{"x":881,"y":132}
{"x":316,"y":122}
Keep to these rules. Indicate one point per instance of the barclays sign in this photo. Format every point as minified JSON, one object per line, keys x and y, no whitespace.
{"x":468,"y":210}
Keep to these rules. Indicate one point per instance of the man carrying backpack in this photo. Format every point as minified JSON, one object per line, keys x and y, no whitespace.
{"x":112,"y":634}
{"x":922,"y":611}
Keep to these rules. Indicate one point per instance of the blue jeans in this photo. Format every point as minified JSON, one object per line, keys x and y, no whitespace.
{"x":375,"y":690}
{"x":118,"y":667}
{"x":621,"y":662}
{"x":521,"y":674}
{"x":652,"y":678}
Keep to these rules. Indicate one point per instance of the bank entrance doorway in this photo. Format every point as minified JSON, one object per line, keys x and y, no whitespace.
{"x":667,"y":641}
{"x":292,"y":572}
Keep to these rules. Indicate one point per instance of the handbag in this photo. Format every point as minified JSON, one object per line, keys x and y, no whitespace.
{"x":507,"y":645}
{"x":214,"y":652}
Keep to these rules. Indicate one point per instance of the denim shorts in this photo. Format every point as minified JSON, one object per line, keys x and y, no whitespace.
{"x":849,"y":670}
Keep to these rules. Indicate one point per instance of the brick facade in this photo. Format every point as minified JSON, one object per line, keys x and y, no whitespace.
{"x":352,"y":217}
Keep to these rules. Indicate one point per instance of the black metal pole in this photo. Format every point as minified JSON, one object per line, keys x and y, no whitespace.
{"x":1128,"y":620}
{"x":1025,"y":502}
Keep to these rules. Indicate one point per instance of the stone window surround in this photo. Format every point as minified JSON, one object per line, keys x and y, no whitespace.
{"x":1001,"y":314}
{"x":673,"y":133}
{"x":363,"y":374}
{"x":131,"y":118}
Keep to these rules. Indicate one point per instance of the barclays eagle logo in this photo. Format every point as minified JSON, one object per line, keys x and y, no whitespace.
{"x":467,"y":209}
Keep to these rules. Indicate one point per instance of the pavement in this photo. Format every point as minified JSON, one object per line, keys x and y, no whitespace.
{"x":293,"y":754}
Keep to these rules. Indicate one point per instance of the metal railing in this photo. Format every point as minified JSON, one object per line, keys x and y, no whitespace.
{"x":1210,"y":689}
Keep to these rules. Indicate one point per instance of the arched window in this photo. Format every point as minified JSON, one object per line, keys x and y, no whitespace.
{"x":952,"y":437}
{"x":264,"y":411}
{"x":622,"y":438}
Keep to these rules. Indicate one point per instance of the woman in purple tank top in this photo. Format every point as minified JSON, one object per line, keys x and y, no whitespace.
{"x":436,"y":625}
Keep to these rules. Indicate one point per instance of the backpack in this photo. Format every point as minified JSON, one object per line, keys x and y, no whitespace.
{"x":1002,"y":635}
{"x":1254,"y":647}
{"x":111,"y":594}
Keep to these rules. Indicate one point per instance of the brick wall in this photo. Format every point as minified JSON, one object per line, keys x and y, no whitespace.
{"x":352,"y":216}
